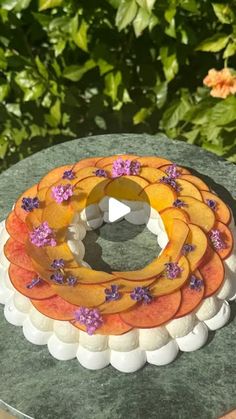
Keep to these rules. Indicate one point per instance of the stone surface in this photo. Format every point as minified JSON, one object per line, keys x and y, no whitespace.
{"x":199,"y":385}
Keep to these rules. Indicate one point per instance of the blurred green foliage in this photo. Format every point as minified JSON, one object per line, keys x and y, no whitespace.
{"x":74,"y":68}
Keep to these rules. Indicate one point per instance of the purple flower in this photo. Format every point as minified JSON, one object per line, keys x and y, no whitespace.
{"x":57,"y":277}
{"x":43,"y":236}
{"x":62,"y":193}
{"x":112,"y":293}
{"x":34,"y":282}
{"x":172,"y":171}
{"x":211,"y":203}
{"x":29,"y":204}
{"x":217,"y":240}
{"x":187,"y":248}
{"x":90,"y":317}
{"x":100,"y":173}
{"x":172,"y":270}
{"x":68,"y":174}
{"x":58,"y":264}
{"x":195,"y":283}
{"x":125,"y":167}
{"x":141,"y":294}
{"x":178,"y":203}
{"x":170,"y":181}
{"x":71,"y":280}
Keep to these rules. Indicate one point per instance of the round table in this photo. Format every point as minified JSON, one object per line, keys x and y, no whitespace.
{"x":199,"y":385}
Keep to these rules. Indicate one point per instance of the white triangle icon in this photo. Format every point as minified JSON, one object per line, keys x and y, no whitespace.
{"x":117,"y":210}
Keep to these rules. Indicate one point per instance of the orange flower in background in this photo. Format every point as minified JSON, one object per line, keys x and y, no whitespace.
{"x":223,"y":82}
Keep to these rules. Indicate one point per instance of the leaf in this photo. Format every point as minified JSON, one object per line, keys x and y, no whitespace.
{"x":14,"y":108}
{"x":104,"y":66}
{"x":224,"y":13}
{"x":175,"y":113}
{"x":76,"y":72}
{"x":141,"y":115}
{"x":41,"y":68}
{"x":161,"y":90}
{"x":114,"y":3}
{"x":3,"y":61}
{"x":49,"y":4}
{"x":35,"y":92}
{"x":4,"y":90}
{"x":146,"y":4}
{"x":170,"y":63}
{"x":100,"y":122}
{"x":80,"y":37}
{"x":54,"y":117}
{"x":126,"y":13}
{"x":9,"y":4}
{"x":214,"y":44}
{"x":141,"y":21}
{"x":112,"y":82}
{"x":189,"y":5}
{"x":224,"y":112}
{"x":229,"y":50}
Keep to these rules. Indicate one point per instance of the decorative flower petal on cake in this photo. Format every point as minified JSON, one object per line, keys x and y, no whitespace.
{"x":125,"y":167}
{"x":211,"y":203}
{"x":34,"y":282}
{"x":172,"y":270}
{"x":62,"y":193}
{"x":178,"y":203}
{"x":89,"y":317}
{"x":217,"y":240}
{"x":71,"y":280}
{"x":187,"y":248}
{"x":112,"y":293}
{"x":101,"y":173}
{"x":68,"y":174}
{"x":43,"y":235}
{"x":195,"y":283}
{"x":170,"y":181}
{"x":29,"y":204}
{"x":172,"y":171}
{"x":57,"y":277}
{"x":141,"y":294}
{"x":223,"y":82}
{"x":58,"y":264}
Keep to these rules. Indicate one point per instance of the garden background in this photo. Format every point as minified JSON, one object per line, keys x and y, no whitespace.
{"x":73,"y":68}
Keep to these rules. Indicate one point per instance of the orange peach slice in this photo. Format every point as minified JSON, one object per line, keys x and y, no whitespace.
{"x":89,"y":191}
{"x":91,"y":161}
{"x":56,"y":308}
{"x":89,"y":276}
{"x":16,"y":228}
{"x":58,"y":216}
{"x":227,"y":238}
{"x":61,"y":251}
{"x":158,"y":312}
{"x":199,"y":213}
{"x":53,"y":176}
{"x":196,"y":181}
{"x":126,"y":285}
{"x":222,"y":212}
{"x":112,"y":325}
{"x":29,"y":193}
{"x":188,"y":189}
{"x":198,"y":239}
{"x":126,"y":187}
{"x":152,"y":161}
{"x":164,"y":285}
{"x":81,"y":294}
{"x":190,"y":298}
{"x":151,"y":174}
{"x":182,"y":170}
{"x":158,"y":196}
{"x":171,"y":253}
{"x":113,"y":307}
{"x":15,"y":252}
{"x":168,"y":216}
{"x":33,"y":218}
{"x":105,"y":161}
{"x":212,"y":272}
{"x":85,"y":172}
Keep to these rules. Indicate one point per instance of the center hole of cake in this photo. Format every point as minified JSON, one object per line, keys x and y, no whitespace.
{"x":120,"y":246}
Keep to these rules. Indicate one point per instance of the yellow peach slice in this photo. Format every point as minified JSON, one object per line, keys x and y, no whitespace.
{"x":85,"y":172}
{"x":168,"y":216}
{"x":164,"y":285}
{"x":81,"y":294}
{"x":152,"y":161}
{"x":112,"y":307}
{"x":110,"y":159}
{"x":199,"y":213}
{"x":29,"y":193}
{"x":198,"y":239}
{"x":90,"y":161}
{"x":222,"y":212}
{"x":188,"y":189}
{"x":181,"y":170}
{"x":196,"y":181}
{"x":126,"y":187}
{"x":159,"y":196}
{"x":151,"y":174}
{"x":53,"y":176}
{"x":58,"y":216}
{"x":90,"y":276}
{"x":91,"y":189}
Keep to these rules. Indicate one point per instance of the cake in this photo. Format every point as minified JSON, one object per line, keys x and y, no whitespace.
{"x":123,"y":318}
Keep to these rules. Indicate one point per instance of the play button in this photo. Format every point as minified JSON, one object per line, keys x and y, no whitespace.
{"x":117,"y":210}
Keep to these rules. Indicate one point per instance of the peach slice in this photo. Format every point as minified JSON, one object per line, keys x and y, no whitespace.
{"x":212,"y":272}
{"x":171,"y":253}
{"x":158,"y":196}
{"x":56,"y":308}
{"x":21,"y":277}
{"x":85,"y":172}
{"x":15,"y":252}
{"x":188,"y":189}
{"x":158,"y":312}
{"x":29,"y":193}
{"x":196,"y":181}
{"x":33,"y":219}
{"x":222,"y":212}
{"x":58,"y":216}
{"x":151,"y":174}
{"x":61,"y":251}
{"x":182,"y":170}
{"x":113,"y":307}
{"x":126,"y":187}
{"x":126,"y":286}
{"x":168,"y":216}
{"x":89,"y":191}
{"x":199,"y":213}
{"x":90,"y":161}
{"x":112,"y":325}
{"x":198,"y":239}
{"x":49,"y":198}
{"x":164,"y":285}
{"x":89,"y":276}
{"x":152,"y":161}
{"x":227,"y":237}
{"x":105,"y":161}
{"x":53,"y":176}
{"x":16,"y":228}
{"x":81,"y":294}
{"x":190,"y":298}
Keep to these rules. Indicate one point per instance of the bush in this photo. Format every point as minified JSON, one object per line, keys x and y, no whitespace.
{"x":69,"y":69}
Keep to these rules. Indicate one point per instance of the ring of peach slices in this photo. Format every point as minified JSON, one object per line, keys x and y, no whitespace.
{"x":189,"y":224}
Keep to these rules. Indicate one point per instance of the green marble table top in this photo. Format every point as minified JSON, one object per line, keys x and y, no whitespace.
{"x":199,"y":385}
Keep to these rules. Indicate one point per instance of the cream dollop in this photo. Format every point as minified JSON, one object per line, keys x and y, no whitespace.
{"x":154,"y":338}
{"x":164,"y":355}
{"x":221,"y":318}
{"x":208,"y":308}
{"x":182,"y":326}
{"x":193,"y":340}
